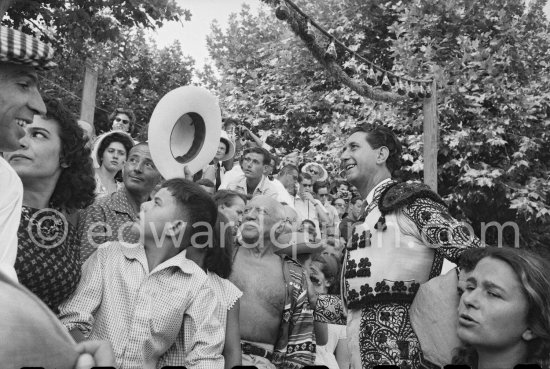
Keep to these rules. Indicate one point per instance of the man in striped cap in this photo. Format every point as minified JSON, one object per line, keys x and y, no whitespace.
{"x":20,"y":57}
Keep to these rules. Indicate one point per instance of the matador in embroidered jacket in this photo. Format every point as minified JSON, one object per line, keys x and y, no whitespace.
{"x":403,"y":236}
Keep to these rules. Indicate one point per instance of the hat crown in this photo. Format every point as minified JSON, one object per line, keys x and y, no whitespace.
{"x":19,"y":48}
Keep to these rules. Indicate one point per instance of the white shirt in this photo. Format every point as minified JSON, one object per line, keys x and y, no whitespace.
{"x":325,"y":354}
{"x":370,"y":196}
{"x":265,"y":187}
{"x":230,"y":176}
{"x":11,"y":200}
{"x":282,"y":193}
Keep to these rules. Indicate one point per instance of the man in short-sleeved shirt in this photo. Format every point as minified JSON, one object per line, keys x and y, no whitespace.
{"x":110,"y":218}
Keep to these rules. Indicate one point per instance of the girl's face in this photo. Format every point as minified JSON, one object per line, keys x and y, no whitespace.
{"x":493,"y":308}
{"x":114,"y":157}
{"x":317,"y":277}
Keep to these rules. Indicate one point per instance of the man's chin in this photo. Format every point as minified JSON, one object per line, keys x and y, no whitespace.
{"x":249,"y":239}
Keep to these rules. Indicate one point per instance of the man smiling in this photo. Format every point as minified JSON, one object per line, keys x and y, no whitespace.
{"x":110,"y":218}
{"x":20,"y":57}
{"x":400,"y":241}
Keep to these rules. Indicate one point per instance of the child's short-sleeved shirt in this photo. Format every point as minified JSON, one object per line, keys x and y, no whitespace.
{"x":227,"y":294}
{"x":143,"y":313}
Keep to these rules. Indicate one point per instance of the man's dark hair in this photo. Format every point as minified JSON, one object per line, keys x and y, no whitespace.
{"x":205,"y":182}
{"x":259,"y":150}
{"x":196,"y":203}
{"x":287,"y":169}
{"x":378,"y":136}
{"x":226,"y":197}
{"x":318,"y":185}
{"x":303,"y":176}
{"x":355,"y":199}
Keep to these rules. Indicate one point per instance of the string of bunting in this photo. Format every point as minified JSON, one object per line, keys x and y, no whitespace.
{"x":376,"y":76}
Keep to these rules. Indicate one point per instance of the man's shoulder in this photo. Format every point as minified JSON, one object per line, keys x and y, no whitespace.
{"x":402,"y":194}
{"x":295,"y":268}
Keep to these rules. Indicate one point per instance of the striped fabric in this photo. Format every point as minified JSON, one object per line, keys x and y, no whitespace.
{"x":19,"y":48}
{"x":295,"y":346}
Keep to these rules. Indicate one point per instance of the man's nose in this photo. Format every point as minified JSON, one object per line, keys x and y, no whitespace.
{"x":36,"y":104}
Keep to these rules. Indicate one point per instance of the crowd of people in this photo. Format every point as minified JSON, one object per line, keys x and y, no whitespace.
{"x":254,"y":260}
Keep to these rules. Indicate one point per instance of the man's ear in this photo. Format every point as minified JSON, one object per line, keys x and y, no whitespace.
{"x":176,"y":227}
{"x":528,"y":335}
{"x":383,"y":155}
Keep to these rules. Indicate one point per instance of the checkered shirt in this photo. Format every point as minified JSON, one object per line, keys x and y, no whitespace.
{"x":167,"y":315}
{"x":109,"y":218}
{"x":19,"y":48}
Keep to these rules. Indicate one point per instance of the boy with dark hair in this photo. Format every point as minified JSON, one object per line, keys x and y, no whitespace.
{"x":147,"y":299}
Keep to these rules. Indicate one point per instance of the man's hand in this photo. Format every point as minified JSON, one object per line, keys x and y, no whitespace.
{"x":187,"y":173}
{"x":311,"y":293}
{"x":94,"y":353}
{"x":308,"y":197}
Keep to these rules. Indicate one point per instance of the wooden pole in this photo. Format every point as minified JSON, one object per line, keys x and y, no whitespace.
{"x":87,"y":107}
{"x":431,"y":136}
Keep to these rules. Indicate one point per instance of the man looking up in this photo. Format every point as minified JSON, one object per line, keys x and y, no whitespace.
{"x":252,"y":182}
{"x":110,"y":218}
{"x":404,"y":234}
{"x":21,"y":56}
{"x":276,"y":323}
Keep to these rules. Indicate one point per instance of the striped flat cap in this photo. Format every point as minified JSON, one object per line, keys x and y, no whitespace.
{"x":19,"y":48}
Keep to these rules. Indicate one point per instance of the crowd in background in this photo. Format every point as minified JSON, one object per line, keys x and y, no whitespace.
{"x":282,"y":266}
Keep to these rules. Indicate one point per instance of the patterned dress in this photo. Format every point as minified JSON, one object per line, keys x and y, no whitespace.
{"x":48,"y":257}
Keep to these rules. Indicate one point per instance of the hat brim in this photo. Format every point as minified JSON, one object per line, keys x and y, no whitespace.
{"x":32,"y":334}
{"x":323,"y":178}
{"x":95,"y":151}
{"x":230,"y":147}
{"x":184,"y":130}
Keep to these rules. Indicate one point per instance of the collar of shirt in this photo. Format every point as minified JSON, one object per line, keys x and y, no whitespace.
{"x":119,"y":203}
{"x":137,"y":252}
{"x":370,"y":196}
{"x":259,"y":188}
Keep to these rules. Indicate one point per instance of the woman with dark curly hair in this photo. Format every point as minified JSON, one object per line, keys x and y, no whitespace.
{"x":504,"y":310}
{"x":58,"y":180}
{"x":109,"y":155}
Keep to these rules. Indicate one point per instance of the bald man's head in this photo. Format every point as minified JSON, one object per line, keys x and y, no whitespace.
{"x":263,"y":218}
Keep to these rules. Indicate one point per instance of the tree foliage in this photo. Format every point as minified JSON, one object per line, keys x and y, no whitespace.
{"x":135,"y":76}
{"x":491,"y":62}
{"x":69,"y":23}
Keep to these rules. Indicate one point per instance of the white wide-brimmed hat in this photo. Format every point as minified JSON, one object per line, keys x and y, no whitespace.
{"x":230,"y":151}
{"x":99,"y":140}
{"x":324,"y":174}
{"x":184,"y":130}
